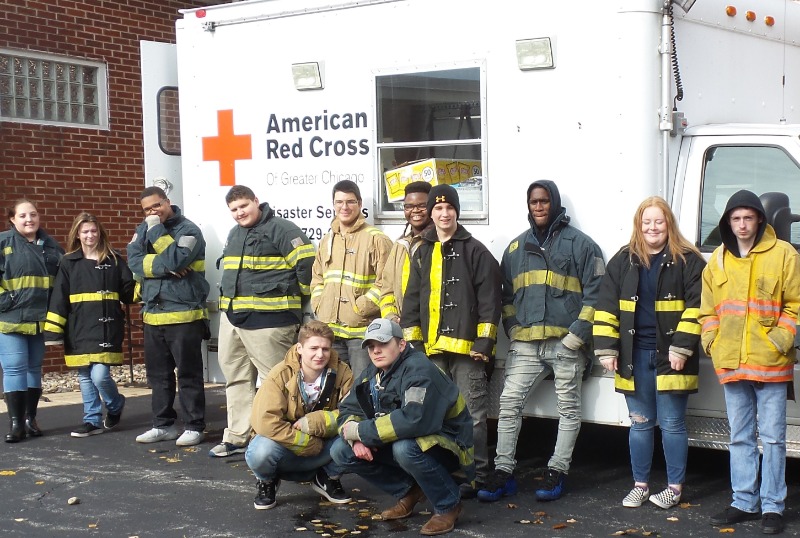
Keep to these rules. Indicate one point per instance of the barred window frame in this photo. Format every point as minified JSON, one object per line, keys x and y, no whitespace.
{"x":50,"y":89}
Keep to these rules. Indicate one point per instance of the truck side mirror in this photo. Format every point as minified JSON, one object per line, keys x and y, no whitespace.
{"x":779,"y":214}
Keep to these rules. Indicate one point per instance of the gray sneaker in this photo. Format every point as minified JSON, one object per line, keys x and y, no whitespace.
{"x":223,"y":450}
{"x":156,"y":435}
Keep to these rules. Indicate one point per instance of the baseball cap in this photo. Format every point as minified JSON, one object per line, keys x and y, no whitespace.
{"x":382,"y":330}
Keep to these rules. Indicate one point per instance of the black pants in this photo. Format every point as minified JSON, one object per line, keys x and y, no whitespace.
{"x":167,"y":347}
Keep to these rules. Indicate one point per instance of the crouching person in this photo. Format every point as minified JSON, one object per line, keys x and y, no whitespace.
{"x":405,"y":429}
{"x":294,"y":419}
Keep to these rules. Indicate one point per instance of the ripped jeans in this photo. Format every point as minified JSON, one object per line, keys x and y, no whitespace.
{"x":527,"y":365}
{"x":648,"y":406}
{"x":470,"y":377}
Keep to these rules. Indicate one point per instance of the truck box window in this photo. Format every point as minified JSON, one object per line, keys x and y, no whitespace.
{"x":760,"y":169}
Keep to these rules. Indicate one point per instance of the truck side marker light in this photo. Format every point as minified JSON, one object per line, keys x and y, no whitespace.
{"x":730,"y":11}
{"x":769,"y":21}
{"x":750,"y":16}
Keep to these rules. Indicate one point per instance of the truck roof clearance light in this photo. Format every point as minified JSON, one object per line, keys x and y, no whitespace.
{"x":200,"y":13}
{"x":750,"y":16}
{"x":769,"y":21}
{"x":730,"y":11}
{"x":535,"y":54}
{"x":308,"y":76}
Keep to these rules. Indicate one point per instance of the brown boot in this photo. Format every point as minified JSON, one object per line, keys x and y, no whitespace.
{"x":441,"y":523}
{"x":404,"y":506}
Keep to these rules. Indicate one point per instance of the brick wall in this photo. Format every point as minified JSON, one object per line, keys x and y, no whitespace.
{"x":67,"y":170}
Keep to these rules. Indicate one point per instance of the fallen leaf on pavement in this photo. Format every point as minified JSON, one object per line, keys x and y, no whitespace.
{"x":511,"y":505}
{"x":560,"y":526}
{"x":8,"y":473}
{"x":673,"y":518}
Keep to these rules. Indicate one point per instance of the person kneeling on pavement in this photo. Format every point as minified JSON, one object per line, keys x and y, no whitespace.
{"x":294,"y":419}
{"x":405,"y":428}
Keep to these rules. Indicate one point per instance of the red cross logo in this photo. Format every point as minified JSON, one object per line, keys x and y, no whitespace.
{"x":226,"y":148}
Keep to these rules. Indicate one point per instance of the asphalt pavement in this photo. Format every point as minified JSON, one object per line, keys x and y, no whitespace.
{"x":126,"y":489}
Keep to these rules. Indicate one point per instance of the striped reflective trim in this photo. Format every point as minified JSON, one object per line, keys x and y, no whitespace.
{"x":245,"y":303}
{"x":509,"y":311}
{"x":537,"y":332}
{"x":542,"y":276}
{"x":385,"y":429}
{"x":348,"y":278}
{"x":374,"y":295}
{"x":147,"y":265}
{"x":602,"y":316}
{"x":341,"y":331}
{"x":731,"y":308}
{"x":487,"y":330}
{"x":329,"y":419}
{"x":107,"y":357}
{"x":171,"y":318}
{"x":404,"y":273}
{"x":691,"y":313}
{"x":605,"y":330}
{"x":255,"y":263}
{"x":680,"y":382}
{"x":788,"y":322}
{"x":389,"y":306}
{"x":623,"y":384}
{"x":305,"y":289}
{"x":457,"y":408}
{"x":300,"y":442}
{"x":55,"y":318}
{"x":710,"y":324}
{"x":161,"y":244}
{"x":412,"y":334}
{"x":8,"y":250}
{"x":93,"y":297}
{"x":466,"y":457}
{"x":300,"y":253}
{"x":752,"y":372}
{"x":317,"y":291}
{"x":448,"y":343}
{"x":23,"y":282}
{"x":670,"y":306}
{"x":387,"y":300}
{"x":53,"y":328}
{"x":435,"y":298}
{"x":627,"y":306}
{"x":764,"y":308}
{"x":31,"y":327}
{"x":198,"y":266}
{"x":689,"y":327}
{"x":587,"y":314}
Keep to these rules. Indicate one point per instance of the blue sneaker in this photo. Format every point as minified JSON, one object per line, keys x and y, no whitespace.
{"x":552,"y":486}
{"x":500,"y":484}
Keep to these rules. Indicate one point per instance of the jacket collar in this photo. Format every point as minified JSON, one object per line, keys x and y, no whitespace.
{"x":430,"y":234}
{"x":360,"y":223}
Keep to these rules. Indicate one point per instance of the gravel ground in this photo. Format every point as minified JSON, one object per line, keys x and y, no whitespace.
{"x":53,"y":382}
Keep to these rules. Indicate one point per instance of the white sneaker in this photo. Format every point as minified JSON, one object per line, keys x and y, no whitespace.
{"x":158,"y":434}
{"x":190,"y":438}
{"x":666,"y":499}
{"x":636,"y":497}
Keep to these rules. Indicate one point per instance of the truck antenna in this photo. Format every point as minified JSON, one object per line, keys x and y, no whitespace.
{"x":676,"y":71}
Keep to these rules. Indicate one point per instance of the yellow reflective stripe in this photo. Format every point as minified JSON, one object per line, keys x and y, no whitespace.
{"x":690,"y":327}
{"x":55,"y":318}
{"x":256,"y":263}
{"x":198,"y":266}
{"x":373,"y":295}
{"x":317,"y":291}
{"x":627,"y":306}
{"x":349,"y":278}
{"x":487,"y":330}
{"x":305,"y":289}
{"x":448,"y":343}
{"x":93,"y":296}
{"x":387,"y":300}
{"x":300,"y":442}
{"x":53,"y":328}
{"x":342,"y":331}
{"x":691,"y":314}
{"x":466,"y":457}
{"x":435,"y":299}
{"x":587,"y":314}
{"x":412,"y":334}
{"x":147,"y":265}
{"x":456,"y":409}
{"x":162,"y":243}
{"x":329,"y":418}
{"x":623,"y":384}
{"x":537,"y":332}
{"x":670,"y":306}
{"x":602,"y":316}
{"x":300,"y":253}
{"x":31,"y":327}
{"x":171,"y":318}
{"x":23,"y":282}
{"x":107,"y":357}
{"x":543,"y":276}
{"x":404,"y":274}
{"x":676,"y":382}
{"x":605,"y":330}
{"x":261,"y":303}
{"x":509,"y":311}
{"x":8,"y":250}
{"x":385,"y":429}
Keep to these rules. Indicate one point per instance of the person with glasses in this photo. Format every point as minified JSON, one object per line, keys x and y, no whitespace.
{"x":551,"y":280}
{"x":167,"y":255}
{"x":395,"y":278}
{"x":344,"y":288}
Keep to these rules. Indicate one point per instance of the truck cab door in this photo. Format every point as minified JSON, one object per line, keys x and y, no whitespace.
{"x":160,"y":121}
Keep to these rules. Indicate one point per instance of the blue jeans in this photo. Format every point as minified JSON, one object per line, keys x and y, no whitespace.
{"x":96,"y":383}
{"x":527,"y":364}
{"x":752,"y":404}
{"x":351,"y":352}
{"x":269,"y":459}
{"x":21,"y":358}
{"x":648,"y":406}
{"x":397,"y":467}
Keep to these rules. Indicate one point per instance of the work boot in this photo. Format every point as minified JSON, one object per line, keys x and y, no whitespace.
{"x":31,"y":406}
{"x":405,"y":506}
{"x":441,"y":523}
{"x":15,"y":401}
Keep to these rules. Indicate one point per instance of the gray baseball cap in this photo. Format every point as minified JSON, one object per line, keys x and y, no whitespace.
{"x":382,"y":330}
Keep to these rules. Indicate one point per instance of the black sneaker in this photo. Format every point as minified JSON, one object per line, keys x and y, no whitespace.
{"x":552,"y":487}
{"x":330,"y":488}
{"x":265,"y":493}
{"x":732,"y":515}
{"x":771,"y":523}
{"x":87,"y":430}
{"x":113,"y":419}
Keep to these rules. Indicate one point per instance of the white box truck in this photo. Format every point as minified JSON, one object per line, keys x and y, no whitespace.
{"x":289,"y":97}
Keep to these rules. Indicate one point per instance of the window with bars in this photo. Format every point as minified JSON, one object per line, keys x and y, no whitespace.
{"x":55,"y":90}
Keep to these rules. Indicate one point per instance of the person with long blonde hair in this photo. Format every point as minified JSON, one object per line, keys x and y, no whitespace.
{"x":86,"y":313}
{"x":646,"y":332}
